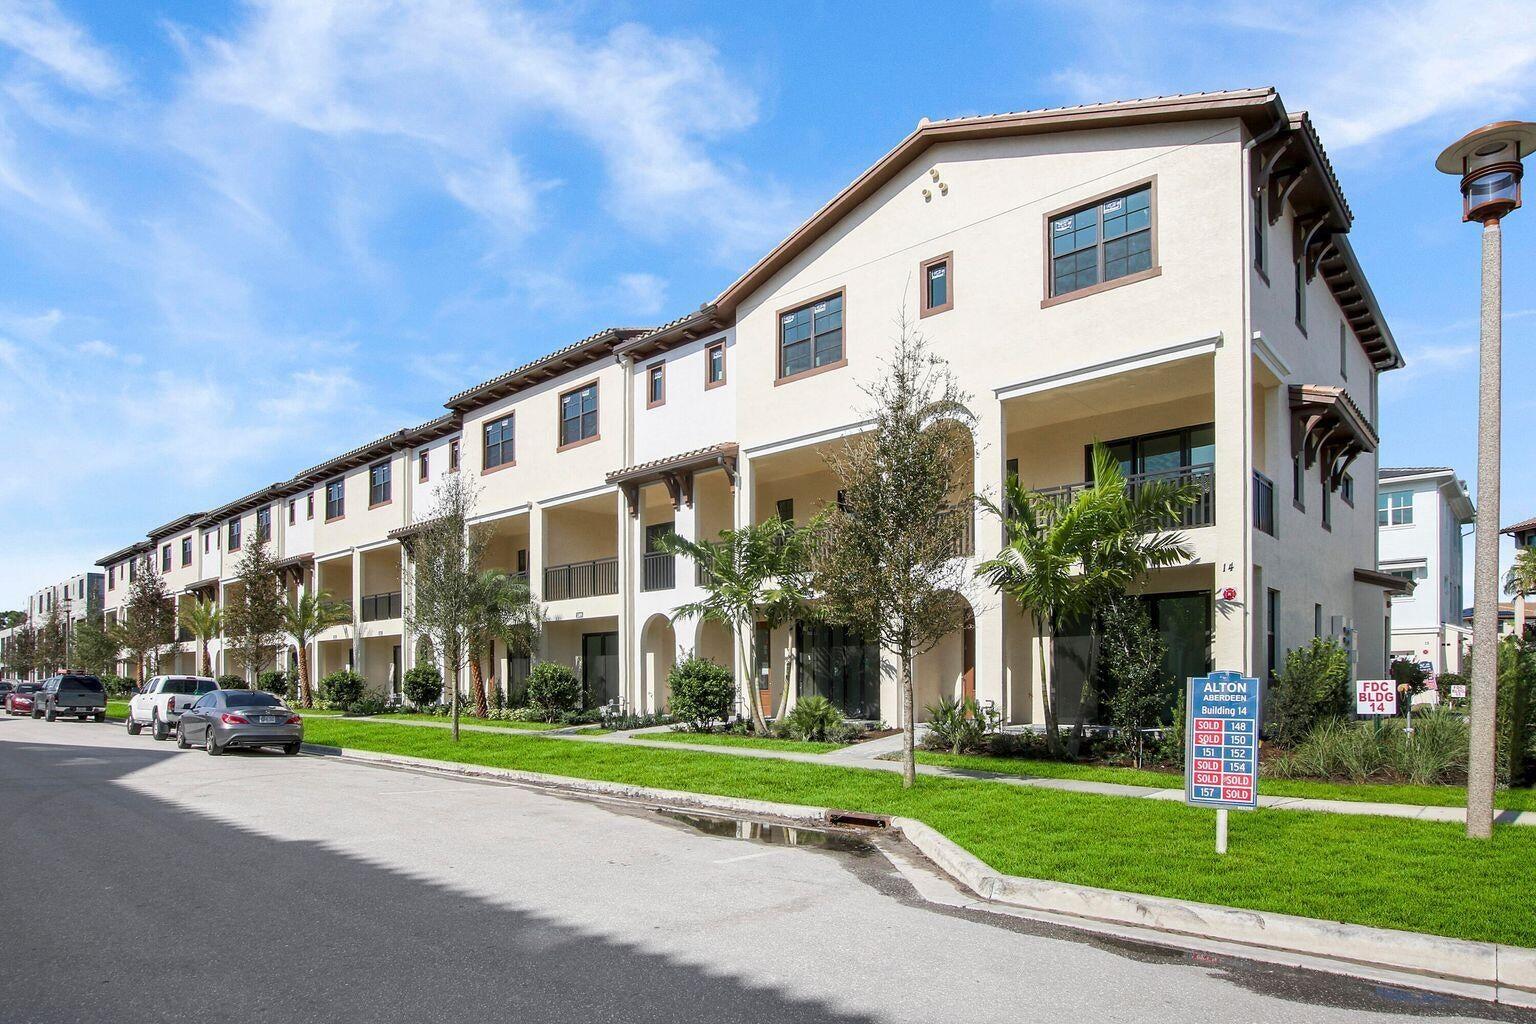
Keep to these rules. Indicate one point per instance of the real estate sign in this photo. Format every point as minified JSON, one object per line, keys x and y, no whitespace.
{"x":1375,"y":697}
{"x":1221,"y":726}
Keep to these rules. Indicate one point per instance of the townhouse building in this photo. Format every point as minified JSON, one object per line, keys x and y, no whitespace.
{"x":69,"y":601}
{"x":1170,"y":277}
{"x":1422,"y":514}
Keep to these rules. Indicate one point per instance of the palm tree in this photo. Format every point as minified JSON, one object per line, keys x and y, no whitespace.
{"x":1520,"y":581}
{"x":501,"y":608}
{"x":203,"y":620}
{"x":305,"y":618}
{"x":758,"y":573}
{"x":1063,"y":558}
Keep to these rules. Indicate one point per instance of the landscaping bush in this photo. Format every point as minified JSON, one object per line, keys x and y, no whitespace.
{"x":1435,"y":753}
{"x":1517,"y":710}
{"x":423,"y":686}
{"x":703,"y":692}
{"x":342,"y":689}
{"x":118,"y":686}
{"x":231,"y":682}
{"x":554,"y":689}
{"x":960,"y":726}
{"x":1313,"y":686}
{"x":1446,"y":680}
{"x":1134,"y":686}
{"x":367,"y":704}
{"x":814,"y":718}
{"x":274,"y":681}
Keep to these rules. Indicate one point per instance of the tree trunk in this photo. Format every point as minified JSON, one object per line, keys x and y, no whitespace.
{"x":455,"y":704}
{"x":1048,"y":691}
{"x":477,"y":686}
{"x":909,"y":726}
{"x":306,"y":695}
{"x":743,"y":654}
{"x":1088,"y":698}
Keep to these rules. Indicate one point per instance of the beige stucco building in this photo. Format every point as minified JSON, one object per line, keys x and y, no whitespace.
{"x":1171,"y":277}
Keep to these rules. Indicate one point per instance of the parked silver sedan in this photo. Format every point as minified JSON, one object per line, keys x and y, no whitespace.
{"x":239,"y":718}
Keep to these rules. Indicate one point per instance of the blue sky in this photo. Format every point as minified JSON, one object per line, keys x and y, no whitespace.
{"x":236,"y":239}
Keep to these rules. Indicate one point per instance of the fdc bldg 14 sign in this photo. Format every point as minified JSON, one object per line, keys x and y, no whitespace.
{"x":1222,"y":750}
{"x":1375,"y":697}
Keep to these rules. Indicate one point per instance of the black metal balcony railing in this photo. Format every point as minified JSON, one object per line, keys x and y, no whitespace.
{"x":965,"y":541}
{"x":596,"y":578}
{"x":658,"y":571}
{"x":381,"y":606}
{"x":1203,"y":477}
{"x":1263,"y":503}
{"x":183,"y":634}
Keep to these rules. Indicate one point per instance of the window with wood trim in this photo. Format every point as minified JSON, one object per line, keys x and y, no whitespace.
{"x":500,"y":442}
{"x":1102,"y":242}
{"x":655,"y":385}
{"x":714,"y":364}
{"x":233,"y":543}
{"x":1260,"y":234}
{"x":186,"y":551}
{"x":937,"y":278}
{"x":811,"y":336}
{"x":263,"y":525}
{"x":309,"y":505}
{"x":380,"y":481}
{"x":335,"y":500}
{"x":293,"y":511}
{"x":423,"y":472}
{"x":453,"y":456}
{"x":578,"y":415}
{"x":1301,"y":294}
{"x":165,"y":558}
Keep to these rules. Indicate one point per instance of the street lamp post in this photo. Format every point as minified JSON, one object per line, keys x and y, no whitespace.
{"x":1488,"y":161}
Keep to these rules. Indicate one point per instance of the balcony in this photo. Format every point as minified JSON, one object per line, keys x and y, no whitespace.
{"x":597,"y":578}
{"x":658,"y":571}
{"x":1263,"y":503}
{"x":381,"y":606}
{"x":1203,"y":477}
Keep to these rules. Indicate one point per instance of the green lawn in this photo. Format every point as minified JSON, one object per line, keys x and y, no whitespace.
{"x":1335,"y":867}
{"x":721,"y":739}
{"x":1372,"y":792}
{"x":117,"y":709}
{"x":445,"y":721}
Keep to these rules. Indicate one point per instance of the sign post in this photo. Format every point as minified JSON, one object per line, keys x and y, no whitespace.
{"x":1221,"y":751}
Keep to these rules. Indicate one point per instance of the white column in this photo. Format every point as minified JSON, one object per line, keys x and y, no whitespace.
{"x":629,"y":682}
{"x":357,"y":610}
{"x":1232,"y":620}
{"x":993,"y":681}
{"x":536,"y":564}
{"x":746,"y":492}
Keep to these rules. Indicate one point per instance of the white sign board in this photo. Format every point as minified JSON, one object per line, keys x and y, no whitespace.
{"x":1375,"y":697}
{"x":1458,"y":691}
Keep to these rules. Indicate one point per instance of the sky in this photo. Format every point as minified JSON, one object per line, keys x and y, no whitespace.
{"x":239,"y":238}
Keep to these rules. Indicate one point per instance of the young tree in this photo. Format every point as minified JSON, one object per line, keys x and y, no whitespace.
{"x":21,"y":652}
{"x":91,"y":648}
{"x":1131,"y":669}
{"x":203,"y":620}
{"x":253,"y":618}
{"x":445,"y":561}
{"x":758,"y":573}
{"x":303,"y":620}
{"x":149,"y":620}
{"x":501,"y":608}
{"x":51,"y":643}
{"x":887,"y":563}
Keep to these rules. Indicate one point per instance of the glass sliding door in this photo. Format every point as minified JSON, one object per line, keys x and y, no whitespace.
{"x":833,"y":663}
{"x":600,"y":667}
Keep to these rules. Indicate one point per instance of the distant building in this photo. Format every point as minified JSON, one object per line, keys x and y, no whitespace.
{"x":1506,"y":619}
{"x":1524,"y":533}
{"x":72,"y":600}
{"x":1420,"y":514}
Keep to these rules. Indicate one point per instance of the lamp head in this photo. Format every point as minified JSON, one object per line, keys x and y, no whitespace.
{"x":1489,"y":162}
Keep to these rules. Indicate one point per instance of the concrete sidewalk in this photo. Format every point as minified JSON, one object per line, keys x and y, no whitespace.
{"x":872,"y":754}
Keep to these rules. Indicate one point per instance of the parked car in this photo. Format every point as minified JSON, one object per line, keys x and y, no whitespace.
{"x":161,"y":701}
{"x":239,"y":718}
{"x":79,"y":695}
{"x":19,"y":700}
{"x":6,"y":686}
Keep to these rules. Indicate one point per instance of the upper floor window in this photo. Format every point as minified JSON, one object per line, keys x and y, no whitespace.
{"x":1343,"y":351}
{"x":1327,"y":506}
{"x":1298,"y":482}
{"x":234,"y":534}
{"x":453,"y":456}
{"x":423,"y":473}
{"x":1394,"y":508}
{"x":335,"y":499}
{"x":1347,"y":490}
{"x":500,"y":446}
{"x":578,"y":415}
{"x":111,"y":577}
{"x":263,"y":525}
{"x":165,"y":558}
{"x":938,"y":282}
{"x":811,"y":337}
{"x":1103,"y":242}
{"x":309,"y":505}
{"x":655,"y":385}
{"x":293,"y":511}
{"x":714,"y":365}
{"x":186,"y":552}
{"x":1260,"y":241}
{"x":207,"y":543}
{"x":1301,"y":294}
{"x":133,"y":570}
{"x":379,"y":479}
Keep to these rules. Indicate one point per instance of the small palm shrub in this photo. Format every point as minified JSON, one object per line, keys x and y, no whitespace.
{"x":423,"y":685}
{"x":342,"y":689}
{"x":960,"y":726}
{"x":703,"y":692}
{"x":814,"y":718}
{"x":553,"y":689}
{"x":368,"y":704}
{"x":1436,"y":752}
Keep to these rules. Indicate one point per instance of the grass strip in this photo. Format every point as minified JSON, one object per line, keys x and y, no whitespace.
{"x":719,"y":739}
{"x":445,"y":721}
{"x":1356,"y":792}
{"x":1384,"y":872}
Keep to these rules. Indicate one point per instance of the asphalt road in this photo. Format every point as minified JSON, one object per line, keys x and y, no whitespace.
{"x":142,"y":883}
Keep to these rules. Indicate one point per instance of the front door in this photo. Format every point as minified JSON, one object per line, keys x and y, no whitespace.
{"x":600,"y":667}
{"x":968,"y":656}
{"x":833,"y":663}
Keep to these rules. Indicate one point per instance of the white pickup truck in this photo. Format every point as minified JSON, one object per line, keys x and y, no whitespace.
{"x":160,"y":702}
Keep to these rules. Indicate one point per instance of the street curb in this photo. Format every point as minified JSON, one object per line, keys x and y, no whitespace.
{"x":1500,"y":973}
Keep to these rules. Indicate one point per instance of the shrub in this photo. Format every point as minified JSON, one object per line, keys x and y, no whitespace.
{"x":1446,"y":680}
{"x":342,"y":689}
{"x":231,"y":682}
{"x":423,"y":685}
{"x":1436,"y":753}
{"x":1136,"y":689}
{"x":1313,"y":686}
{"x":554,"y":689}
{"x":493,"y":699}
{"x":959,"y":726}
{"x":703,"y":692}
{"x":368,"y":704}
{"x":1516,"y":709}
{"x":118,"y":686}
{"x":814,"y":718}
{"x":274,"y":681}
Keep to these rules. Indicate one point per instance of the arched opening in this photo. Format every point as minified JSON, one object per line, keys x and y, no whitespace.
{"x":658,"y":653}
{"x":949,"y":669}
{"x":715,"y":642}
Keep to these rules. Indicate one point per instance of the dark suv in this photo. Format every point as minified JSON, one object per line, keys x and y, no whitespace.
{"x":81,"y":696}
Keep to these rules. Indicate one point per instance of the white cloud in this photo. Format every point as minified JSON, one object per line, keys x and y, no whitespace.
{"x":97,"y":347}
{"x":36,"y":29}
